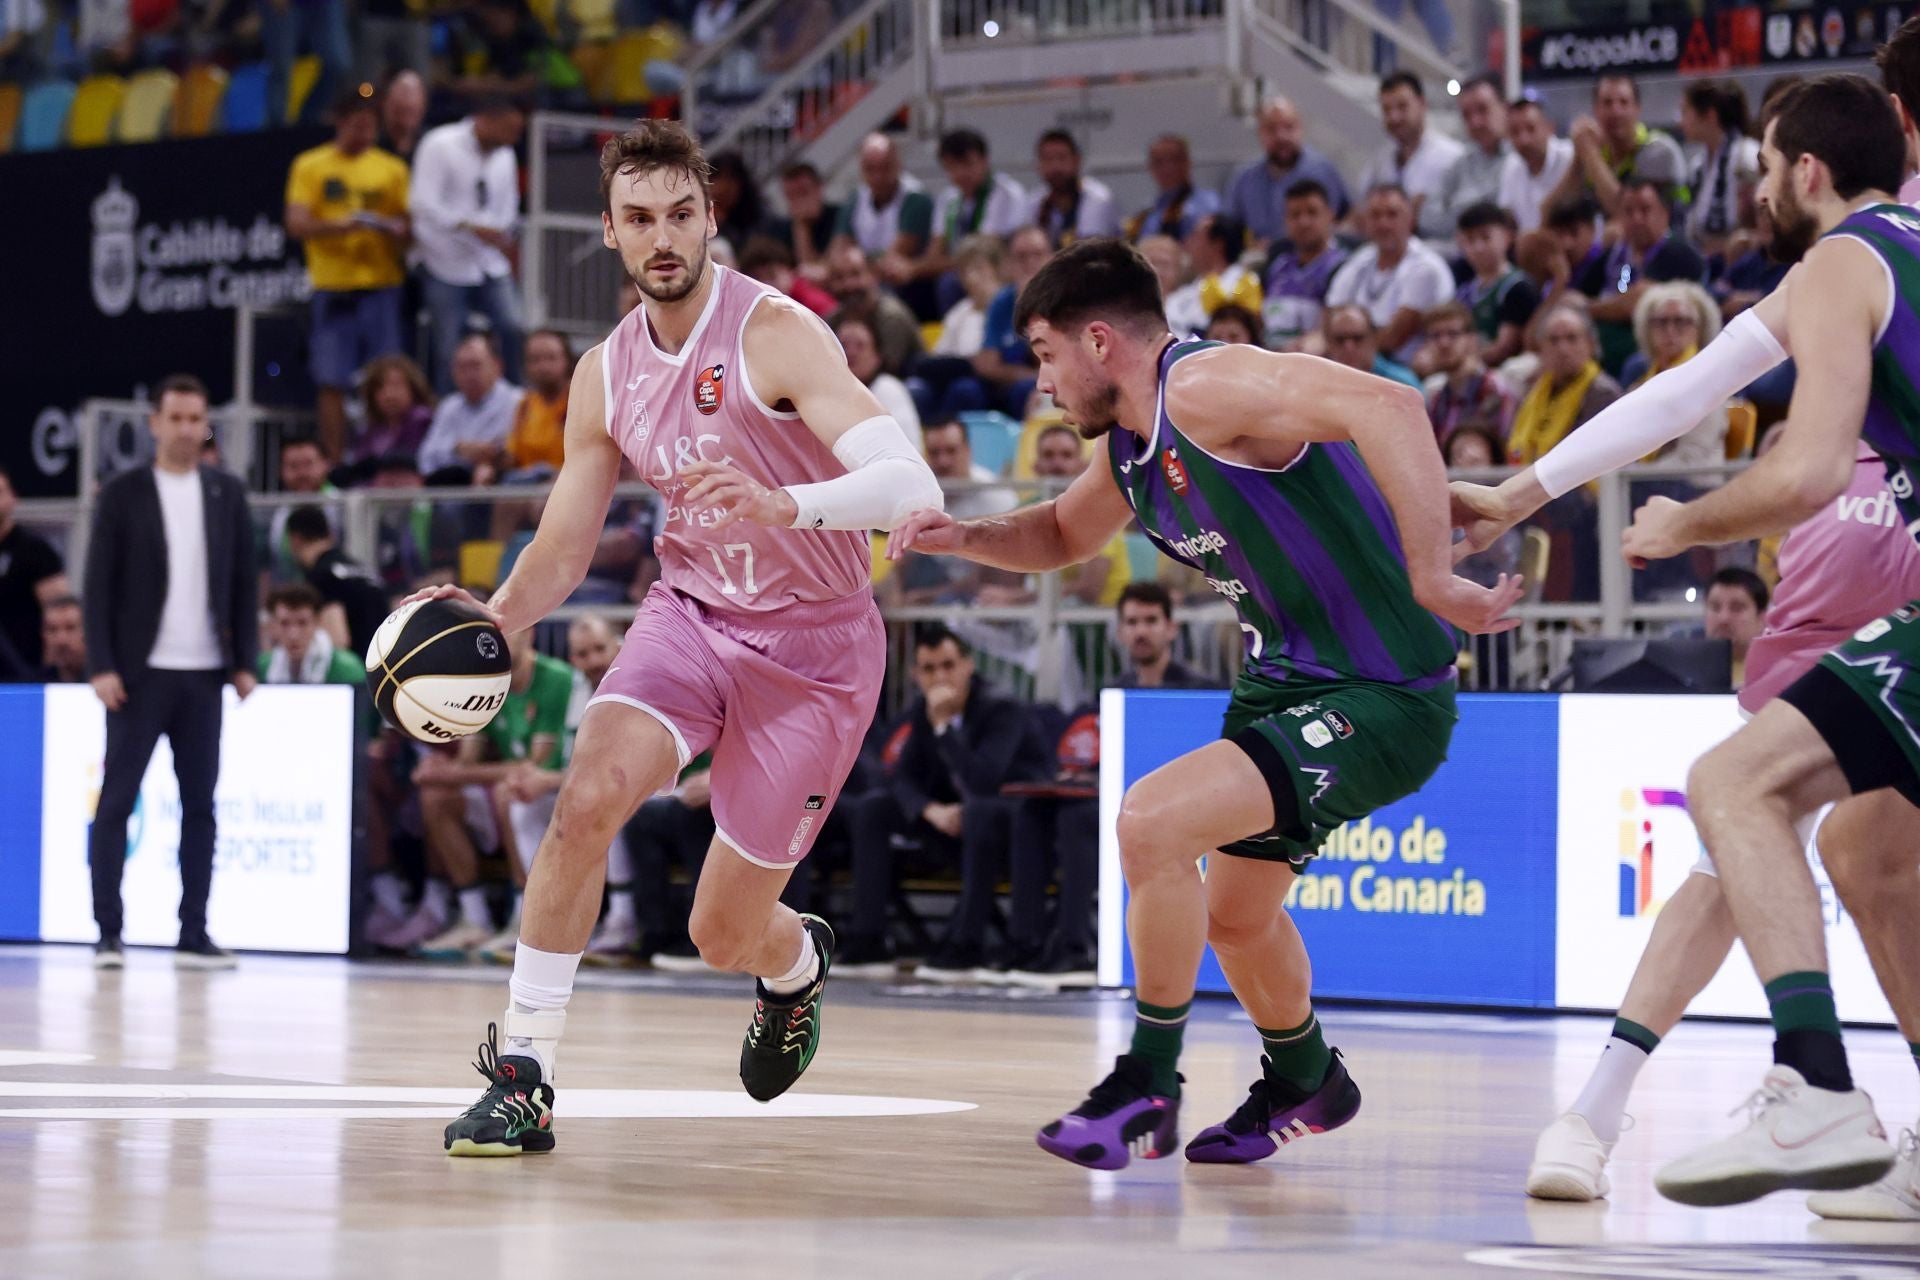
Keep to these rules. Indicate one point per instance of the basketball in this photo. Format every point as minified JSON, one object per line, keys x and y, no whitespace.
{"x":438,"y":670}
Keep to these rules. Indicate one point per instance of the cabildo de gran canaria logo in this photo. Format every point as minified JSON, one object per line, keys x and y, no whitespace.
{"x":190,"y":265}
{"x":1654,"y":831}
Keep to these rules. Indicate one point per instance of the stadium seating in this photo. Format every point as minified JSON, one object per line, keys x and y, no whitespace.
{"x":43,"y":115}
{"x":96,"y":105}
{"x":10,"y":97}
{"x":196,"y":108}
{"x":994,"y":437}
{"x":244,"y":108}
{"x":149,"y":104}
{"x":300,"y":82}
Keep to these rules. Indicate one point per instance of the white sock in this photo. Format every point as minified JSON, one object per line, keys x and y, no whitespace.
{"x":437,"y":897}
{"x":620,"y":909}
{"x":804,"y":970}
{"x":542,"y":982}
{"x":473,"y":907}
{"x":389,"y":893}
{"x":1603,"y":1103}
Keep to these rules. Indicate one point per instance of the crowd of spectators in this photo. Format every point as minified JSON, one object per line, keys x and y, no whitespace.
{"x":1521,"y":276}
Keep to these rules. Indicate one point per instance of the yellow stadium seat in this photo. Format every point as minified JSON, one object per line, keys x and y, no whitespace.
{"x":1536,"y":548}
{"x":626,"y":76}
{"x":930,"y":334}
{"x":9,"y":115}
{"x":1743,"y":421}
{"x":305,"y":74}
{"x":149,"y":103}
{"x":196,"y":107}
{"x":480,"y":563}
{"x":664,"y":41}
{"x":594,"y":19}
{"x":548,"y":13}
{"x":1028,"y":445}
{"x":594,"y":60}
{"x":95,"y":107}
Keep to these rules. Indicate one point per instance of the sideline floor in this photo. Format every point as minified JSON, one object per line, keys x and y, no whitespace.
{"x":162,"y":1124}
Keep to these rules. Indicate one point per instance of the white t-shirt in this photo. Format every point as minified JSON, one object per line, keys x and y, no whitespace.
{"x":187,"y":640}
{"x":455,"y":182}
{"x":963,"y":331}
{"x":1420,"y":177}
{"x":898,"y":401}
{"x":1522,"y":193}
{"x":1421,"y":279}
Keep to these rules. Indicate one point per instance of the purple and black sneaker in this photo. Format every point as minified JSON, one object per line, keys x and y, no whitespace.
{"x":1274,"y":1114}
{"x":1120,"y":1119}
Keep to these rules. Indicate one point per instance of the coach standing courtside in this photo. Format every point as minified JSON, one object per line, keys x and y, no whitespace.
{"x":170,"y":618}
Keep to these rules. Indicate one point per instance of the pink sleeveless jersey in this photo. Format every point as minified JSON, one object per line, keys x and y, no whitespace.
{"x":665,"y":411}
{"x":1850,"y":564}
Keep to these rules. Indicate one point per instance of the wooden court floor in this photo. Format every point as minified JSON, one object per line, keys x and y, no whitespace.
{"x":283,"y":1121}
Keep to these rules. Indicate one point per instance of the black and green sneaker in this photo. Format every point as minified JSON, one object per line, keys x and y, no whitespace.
{"x":515,"y":1114}
{"x":785,"y":1030}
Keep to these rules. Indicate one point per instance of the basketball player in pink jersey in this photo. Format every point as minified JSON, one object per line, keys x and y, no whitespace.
{"x":1841,"y":569}
{"x":760,"y":642}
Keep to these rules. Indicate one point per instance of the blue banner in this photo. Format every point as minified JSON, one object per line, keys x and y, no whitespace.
{"x":22,"y":708}
{"x":1447,"y":896}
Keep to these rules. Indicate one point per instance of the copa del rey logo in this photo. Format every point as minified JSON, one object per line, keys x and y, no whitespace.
{"x":197,"y":264}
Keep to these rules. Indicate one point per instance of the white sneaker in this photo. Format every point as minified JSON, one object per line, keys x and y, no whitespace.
{"x":458,"y":942}
{"x":424,"y":923}
{"x":613,"y":943}
{"x":1797,"y":1137}
{"x":1569,"y":1162}
{"x":1895,"y":1198}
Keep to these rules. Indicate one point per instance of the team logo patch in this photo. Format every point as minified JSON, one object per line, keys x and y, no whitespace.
{"x":800,"y":836}
{"x":1175,"y":470}
{"x":816,"y":802}
{"x":489,"y":647}
{"x":708,"y":389}
{"x":1341,"y":726}
{"x":1316,"y":733}
{"x":1873,"y":631}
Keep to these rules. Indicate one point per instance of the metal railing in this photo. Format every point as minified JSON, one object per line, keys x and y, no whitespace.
{"x":804,"y":89}
{"x":569,"y":279}
{"x":1036,"y":638}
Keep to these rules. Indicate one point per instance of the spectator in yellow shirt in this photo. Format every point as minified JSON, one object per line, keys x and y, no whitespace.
{"x":539,"y":432}
{"x":347,"y":201}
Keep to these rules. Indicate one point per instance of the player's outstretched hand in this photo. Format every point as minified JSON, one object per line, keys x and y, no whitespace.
{"x":736,"y":496}
{"x":928,"y":531}
{"x":1478,"y":610}
{"x":447,"y":591}
{"x":1655,"y":533}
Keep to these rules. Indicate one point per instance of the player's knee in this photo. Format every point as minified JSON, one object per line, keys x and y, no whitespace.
{"x":1231,"y":929}
{"x":1717,"y":785}
{"x":1143,"y":830}
{"x":592,"y":805}
{"x":718,"y":937}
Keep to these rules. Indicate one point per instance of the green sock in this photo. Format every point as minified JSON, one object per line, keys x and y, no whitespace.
{"x":1298,"y":1055}
{"x":1803,"y":1002}
{"x":1157,"y":1029}
{"x":1635,"y":1034}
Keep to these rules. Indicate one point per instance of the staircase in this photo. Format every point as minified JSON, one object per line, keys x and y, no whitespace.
{"x":941,"y":61}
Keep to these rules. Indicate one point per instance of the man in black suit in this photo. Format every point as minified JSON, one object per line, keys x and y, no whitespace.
{"x":170,"y":618}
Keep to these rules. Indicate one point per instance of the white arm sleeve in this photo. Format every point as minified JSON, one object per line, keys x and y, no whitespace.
{"x":1662,"y":409}
{"x":886,"y":482}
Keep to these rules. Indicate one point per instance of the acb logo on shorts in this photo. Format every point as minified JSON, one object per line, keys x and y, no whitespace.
{"x":708,"y":390}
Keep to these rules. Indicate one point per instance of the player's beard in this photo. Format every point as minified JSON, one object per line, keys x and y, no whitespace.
{"x":1794,"y":229}
{"x":1100,"y":414}
{"x":691,"y":271}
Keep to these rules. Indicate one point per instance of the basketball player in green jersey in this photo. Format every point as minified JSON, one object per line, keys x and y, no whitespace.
{"x":1312,"y":497}
{"x":1833,"y":156}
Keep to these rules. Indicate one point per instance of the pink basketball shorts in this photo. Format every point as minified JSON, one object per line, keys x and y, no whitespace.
{"x":782,"y":698}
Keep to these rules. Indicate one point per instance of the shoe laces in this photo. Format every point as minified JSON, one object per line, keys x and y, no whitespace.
{"x":1255,"y":1115}
{"x":506,"y":1095}
{"x":1769,"y":1095}
{"x":1122,"y":1085}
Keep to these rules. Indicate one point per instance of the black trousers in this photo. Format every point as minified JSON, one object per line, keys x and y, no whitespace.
{"x":1049,"y":833}
{"x":184,"y":706}
{"x":982,"y":847}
